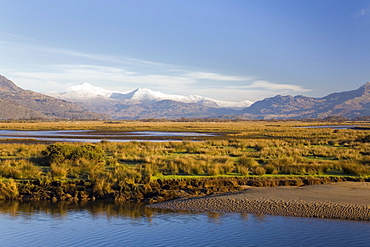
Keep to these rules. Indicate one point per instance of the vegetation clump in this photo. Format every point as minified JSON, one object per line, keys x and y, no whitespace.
{"x":59,"y":152}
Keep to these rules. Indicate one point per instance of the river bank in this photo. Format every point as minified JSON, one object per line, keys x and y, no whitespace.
{"x":158,"y":190}
{"x":343,"y":200}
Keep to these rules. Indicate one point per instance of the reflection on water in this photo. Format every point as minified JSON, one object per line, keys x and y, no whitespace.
{"x":62,"y":209}
{"x":110,"y":224}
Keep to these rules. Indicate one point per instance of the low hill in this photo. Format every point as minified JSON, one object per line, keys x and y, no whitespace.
{"x":24,"y":104}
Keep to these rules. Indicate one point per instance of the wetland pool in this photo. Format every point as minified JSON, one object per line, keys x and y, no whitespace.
{"x":337,"y":127}
{"x":98,"y":136}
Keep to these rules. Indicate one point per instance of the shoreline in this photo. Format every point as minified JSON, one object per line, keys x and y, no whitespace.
{"x":343,"y":200}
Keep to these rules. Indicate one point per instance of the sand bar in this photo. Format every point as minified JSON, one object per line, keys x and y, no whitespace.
{"x":345,"y":200}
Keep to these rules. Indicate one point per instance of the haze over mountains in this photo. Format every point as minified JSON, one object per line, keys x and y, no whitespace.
{"x":85,"y":101}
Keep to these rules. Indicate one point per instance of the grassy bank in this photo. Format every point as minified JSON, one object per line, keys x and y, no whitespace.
{"x":245,"y":149}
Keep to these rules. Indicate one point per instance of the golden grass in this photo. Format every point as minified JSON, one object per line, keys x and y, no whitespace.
{"x":247,"y":148}
{"x":236,"y":127}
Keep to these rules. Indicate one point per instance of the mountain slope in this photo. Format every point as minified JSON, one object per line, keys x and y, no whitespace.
{"x":24,"y":104}
{"x":11,"y":110}
{"x":168,"y":109}
{"x":7,"y":85}
{"x":348,"y":104}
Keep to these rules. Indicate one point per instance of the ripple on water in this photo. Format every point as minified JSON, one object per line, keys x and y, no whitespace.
{"x":174,"y":228}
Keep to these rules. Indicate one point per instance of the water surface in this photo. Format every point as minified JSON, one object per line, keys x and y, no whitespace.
{"x":98,"y":136}
{"x":334,"y":126}
{"x":109,"y":224}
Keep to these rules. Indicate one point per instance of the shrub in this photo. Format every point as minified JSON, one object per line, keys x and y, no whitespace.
{"x":271,"y":169}
{"x":214,"y":170}
{"x":226,"y":168}
{"x":247,"y":162}
{"x":244,"y":171}
{"x":57,"y":153}
{"x":88,"y":152}
{"x":259,"y":171}
{"x":59,"y":171}
{"x":127,"y":175}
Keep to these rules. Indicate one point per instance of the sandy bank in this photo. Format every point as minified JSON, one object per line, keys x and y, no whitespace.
{"x":345,"y":200}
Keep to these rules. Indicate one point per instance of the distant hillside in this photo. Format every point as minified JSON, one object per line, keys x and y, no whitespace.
{"x":11,"y":110}
{"x":144,"y":103}
{"x":17,"y":103}
{"x":88,"y":102}
{"x":167,"y":109}
{"x":349,"y":104}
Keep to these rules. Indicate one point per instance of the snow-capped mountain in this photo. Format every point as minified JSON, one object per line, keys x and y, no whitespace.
{"x":143,"y":103}
{"x":88,"y":92}
{"x":84,"y":91}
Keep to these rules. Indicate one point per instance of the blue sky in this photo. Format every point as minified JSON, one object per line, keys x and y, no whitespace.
{"x":224,"y":49}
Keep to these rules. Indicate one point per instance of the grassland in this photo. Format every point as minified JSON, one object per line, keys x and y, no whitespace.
{"x":242,"y":149}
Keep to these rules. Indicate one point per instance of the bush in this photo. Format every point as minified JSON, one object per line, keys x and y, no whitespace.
{"x":214,"y":170}
{"x":244,"y":171}
{"x":88,"y":152}
{"x":247,"y":162}
{"x":271,"y":169}
{"x":259,"y":171}
{"x":58,"y":153}
{"x":59,"y":171}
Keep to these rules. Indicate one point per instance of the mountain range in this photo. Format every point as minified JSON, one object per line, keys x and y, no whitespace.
{"x":86,"y":101}
{"x":145,"y":103}
{"x":350,"y":104}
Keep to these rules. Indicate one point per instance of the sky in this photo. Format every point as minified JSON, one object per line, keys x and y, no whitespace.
{"x":223,"y":49}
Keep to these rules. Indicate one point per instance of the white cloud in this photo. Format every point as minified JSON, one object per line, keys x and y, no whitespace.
{"x":58,"y":77}
{"x":123,"y":74}
{"x":62,"y":76}
{"x":15,"y":46}
{"x":217,"y":77}
{"x":257,"y":90}
{"x":278,"y":87}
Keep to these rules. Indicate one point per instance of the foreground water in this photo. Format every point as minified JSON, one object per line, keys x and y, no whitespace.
{"x":109,"y":224}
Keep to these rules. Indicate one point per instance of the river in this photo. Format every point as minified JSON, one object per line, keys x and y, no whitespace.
{"x":110,"y":224}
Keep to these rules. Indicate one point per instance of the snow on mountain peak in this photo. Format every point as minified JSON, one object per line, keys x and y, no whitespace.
{"x":86,"y":91}
{"x":145,"y":94}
